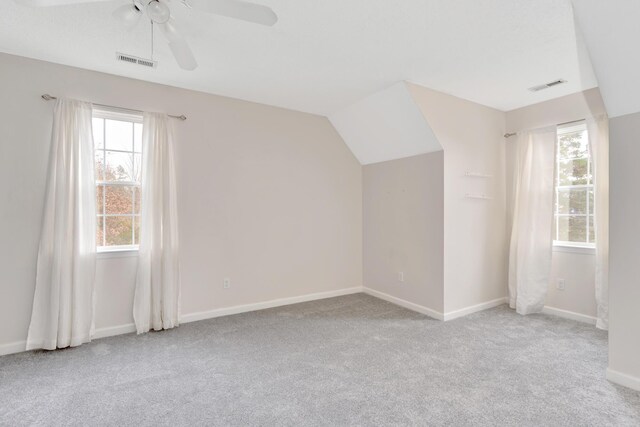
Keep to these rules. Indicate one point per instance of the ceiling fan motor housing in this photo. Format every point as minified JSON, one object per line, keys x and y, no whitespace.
{"x":158,"y":12}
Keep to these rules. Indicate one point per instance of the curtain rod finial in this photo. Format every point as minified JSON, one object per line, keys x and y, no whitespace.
{"x":48,"y":97}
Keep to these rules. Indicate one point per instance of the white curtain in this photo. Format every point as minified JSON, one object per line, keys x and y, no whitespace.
{"x":157,"y":296}
{"x":598,"y":129}
{"x":531,"y":235}
{"x":63,"y":302}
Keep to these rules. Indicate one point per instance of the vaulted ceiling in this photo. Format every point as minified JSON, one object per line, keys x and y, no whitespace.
{"x":323,"y":56}
{"x":611,"y":31}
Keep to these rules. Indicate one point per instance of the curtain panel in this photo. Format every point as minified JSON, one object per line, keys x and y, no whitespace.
{"x":63,"y":302}
{"x":531,"y":235}
{"x":157,"y":294}
{"x":598,"y":130}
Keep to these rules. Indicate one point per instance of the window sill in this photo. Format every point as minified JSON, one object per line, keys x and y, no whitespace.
{"x":584,"y":250}
{"x":120,"y":252}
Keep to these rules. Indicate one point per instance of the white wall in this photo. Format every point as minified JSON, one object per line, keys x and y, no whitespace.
{"x":403,"y":207}
{"x":268,"y":197}
{"x":577,"y":268}
{"x":624,"y":255}
{"x":475,"y":238}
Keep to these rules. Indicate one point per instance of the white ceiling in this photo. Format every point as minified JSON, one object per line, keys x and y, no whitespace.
{"x":322,"y":56}
{"x":611,"y":31}
{"x":385,"y":126}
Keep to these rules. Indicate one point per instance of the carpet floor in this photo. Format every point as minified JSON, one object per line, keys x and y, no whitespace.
{"x":352,"y":360}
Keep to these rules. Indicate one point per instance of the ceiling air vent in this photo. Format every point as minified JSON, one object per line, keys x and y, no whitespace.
{"x":547,"y":85}
{"x":136,"y":60}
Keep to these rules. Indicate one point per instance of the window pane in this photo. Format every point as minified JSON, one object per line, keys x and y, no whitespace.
{"x":573,"y":172}
{"x":119,"y":166}
{"x":572,"y":228}
{"x":99,"y":232}
{"x":99,"y":155}
{"x":119,"y":135}
{"x":592,"y":201}
{"x":572,"y":145}
{"x":99,"y":194}
{"x":118,"y":199}
{"x":119,"y":230}
{"x":137,"y":137}
{"x":572,"y":201}
{"x":592,"y":233}
{"x":98,"y":132}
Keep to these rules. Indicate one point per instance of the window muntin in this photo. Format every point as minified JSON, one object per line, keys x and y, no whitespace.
{"x":574,"y":190}
{"x":118,"y":159}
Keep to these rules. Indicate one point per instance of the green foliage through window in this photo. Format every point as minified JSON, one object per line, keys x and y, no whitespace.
{"x":574,"y":195}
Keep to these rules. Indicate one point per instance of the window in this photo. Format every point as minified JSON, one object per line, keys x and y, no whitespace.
{"x":118,"y":150}
{"x":574,"y":195}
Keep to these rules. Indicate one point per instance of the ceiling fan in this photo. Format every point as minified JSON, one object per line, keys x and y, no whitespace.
{"x":159,"y":13}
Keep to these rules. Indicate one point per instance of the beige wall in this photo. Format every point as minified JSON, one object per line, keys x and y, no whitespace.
{"x":269,"y":197}
{"x":577,"y":268}
{"x":568,"y":108}
{"x":624,"y":264}
{"x":475,"y":245}
{"x":403,"y":228}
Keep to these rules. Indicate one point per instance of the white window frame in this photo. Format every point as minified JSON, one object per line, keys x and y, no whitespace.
{"x":562,"y":245}
{"x":127,"y":116}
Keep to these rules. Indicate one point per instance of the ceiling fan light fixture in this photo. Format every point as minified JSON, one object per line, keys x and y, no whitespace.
{"x":158,"y":12}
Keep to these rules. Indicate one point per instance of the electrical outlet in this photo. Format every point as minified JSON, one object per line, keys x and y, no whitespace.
{"x":401,"y":276}
{"x":560,"y":284}
{"x":226,"y":283}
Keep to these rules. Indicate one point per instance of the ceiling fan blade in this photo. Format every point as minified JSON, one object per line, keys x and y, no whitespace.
{"x":237,"y":9}
{"x":128,"y":15}
{"x":47,"y":3}
{"x":184,"y":57}
{"x":179,"y":47}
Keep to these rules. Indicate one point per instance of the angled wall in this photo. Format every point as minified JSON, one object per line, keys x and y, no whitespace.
{"x":434,"y":206}
{"x":475,"y":230}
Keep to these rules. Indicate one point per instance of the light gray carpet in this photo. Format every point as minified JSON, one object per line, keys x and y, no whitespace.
{"x":352,"y":360}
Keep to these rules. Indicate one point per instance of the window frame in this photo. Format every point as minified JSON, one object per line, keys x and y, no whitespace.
{"x":105,"y":113}
{"x":563,"y":245}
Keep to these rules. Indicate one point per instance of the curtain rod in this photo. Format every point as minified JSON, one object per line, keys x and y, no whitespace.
{"x":507,"y":135}
{"x":48,"y":97}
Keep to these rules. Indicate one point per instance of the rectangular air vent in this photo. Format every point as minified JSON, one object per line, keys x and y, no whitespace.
{"x":136,"y":60}
{"x":547,"y":85}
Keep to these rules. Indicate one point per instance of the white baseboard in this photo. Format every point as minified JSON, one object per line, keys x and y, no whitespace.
{"x":475,"y":308}
{"x":569,"y":315}
{"x":114,"y":330}
{"x":226,"y":311}
{"x":623,"y":379}
{"x":19,"y":346}
{"x":404,"y":303}
{"x":13,"y":347}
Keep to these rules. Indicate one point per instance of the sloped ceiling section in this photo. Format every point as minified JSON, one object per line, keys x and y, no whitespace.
{"x":385,"y":126}
{"x":611,"y":31}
